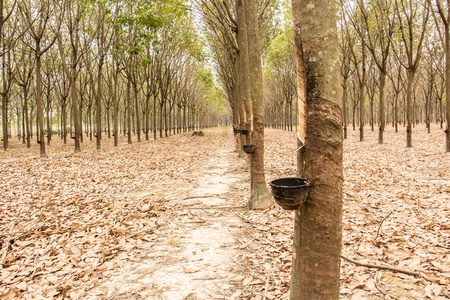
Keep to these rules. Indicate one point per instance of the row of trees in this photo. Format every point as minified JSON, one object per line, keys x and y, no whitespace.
{"x":107,"y":65}
{"x":237,"y":33}
{"x":374,"y":67}
{"x":394,"y":64}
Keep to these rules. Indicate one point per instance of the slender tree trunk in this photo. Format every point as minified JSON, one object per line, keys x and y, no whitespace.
{"x":382,"y":121}
{"x":49,"y":113}
{"x":344,"y":105}
{"x":166,"y":124}
{"x":409,"y":109}
{"x":161,"y":120}
{"x":361,"y":95}
{"x":129,"y":110}
{"x":40,"y":119}
{"x":23,"y":126}
{"x":154,"y":118}
{"x":447,"y":82}
{"x":116,"y":111}
{"x":5,"y":120}
{"x":98,"y":105}
{"x":138,"y":121}
{"x":73,"y":95}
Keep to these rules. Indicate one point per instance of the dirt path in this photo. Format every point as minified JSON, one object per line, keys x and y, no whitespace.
{"x":194,"y":256}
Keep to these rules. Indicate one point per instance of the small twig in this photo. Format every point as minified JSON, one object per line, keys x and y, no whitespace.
{"x":378,"y":231}
{"x":136,"y":233}
{"x":199,"y":197}
{"x":381,"y":267}
{"x":211,"y":207}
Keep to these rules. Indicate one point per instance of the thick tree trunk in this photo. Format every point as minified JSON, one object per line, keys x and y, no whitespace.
{"x":318,"y":222}
{"x":260,"y":197}
{"x":245,"y":91}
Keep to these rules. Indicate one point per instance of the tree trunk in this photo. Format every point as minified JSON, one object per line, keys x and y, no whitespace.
{"x":361,"y":94}
{"x":138,"y":121}
{"x":98,"y":104}
{"x":73,"y":95}
{"x":344,"y":105}
{"x":318,"y":222}
{"x":154,"y":118}
{"x":129,"y":110}
{"x":116,"y":111}
{"x":447,"y":82}
{"x":260,"y":197}
{"x":381,"y":109}
{"x":40,"y":119}
{"x":409,"y":109}
{"x":5,"y":120}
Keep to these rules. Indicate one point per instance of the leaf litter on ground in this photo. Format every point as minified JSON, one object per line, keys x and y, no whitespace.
{"x":68,"y":220}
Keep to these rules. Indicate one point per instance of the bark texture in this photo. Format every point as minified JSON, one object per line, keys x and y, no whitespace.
{"x":318,"y":222}
{"x":260,"y":197}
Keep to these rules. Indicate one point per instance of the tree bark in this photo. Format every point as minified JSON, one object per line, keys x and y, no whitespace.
{"x":260,"y":197}
{"x":409,"y":110}
{"x":40,"y":119}
{"x":318,"y":222}
{"x":382,"y":122}
{"x":344,"y":105}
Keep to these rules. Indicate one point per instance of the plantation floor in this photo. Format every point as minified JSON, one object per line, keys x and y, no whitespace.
{"x":166,"y":219}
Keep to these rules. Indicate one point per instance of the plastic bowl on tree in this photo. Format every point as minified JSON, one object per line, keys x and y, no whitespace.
{"x":290,"y":192}
{"x":249,"y":149}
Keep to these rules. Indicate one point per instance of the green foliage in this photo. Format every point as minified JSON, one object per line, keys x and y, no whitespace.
{"x":281,"y":50}
{"x":143,"y":19}
{"x":214,"y":96}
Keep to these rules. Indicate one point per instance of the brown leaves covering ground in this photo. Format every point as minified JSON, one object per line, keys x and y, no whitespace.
{"x":67,"y":220}
{"x":407,"y":188}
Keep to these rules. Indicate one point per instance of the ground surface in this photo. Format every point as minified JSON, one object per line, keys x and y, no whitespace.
{"x":166,"y":219}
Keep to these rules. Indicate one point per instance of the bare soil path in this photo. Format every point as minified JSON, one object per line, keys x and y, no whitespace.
{"x":195,"y":255}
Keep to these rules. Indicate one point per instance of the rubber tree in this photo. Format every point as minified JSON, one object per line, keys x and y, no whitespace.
{"x":70,"y":59}
{"x":6,"y":44}
{"x":260,"y":197}
{"x":406,"y":13}
{"x":38,"y":20}
{"x":244,"y":84}
{"x":443,"y":10}
{"x":379,"y":46}
{"x":318,"y":222}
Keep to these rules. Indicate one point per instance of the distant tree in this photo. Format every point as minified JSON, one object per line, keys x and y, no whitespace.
{"x":412,"y":37}
{"x":8,"y":36}
{"x":38,"y":17}
{"x":443,"y":10}
{"x":379,"y":28}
